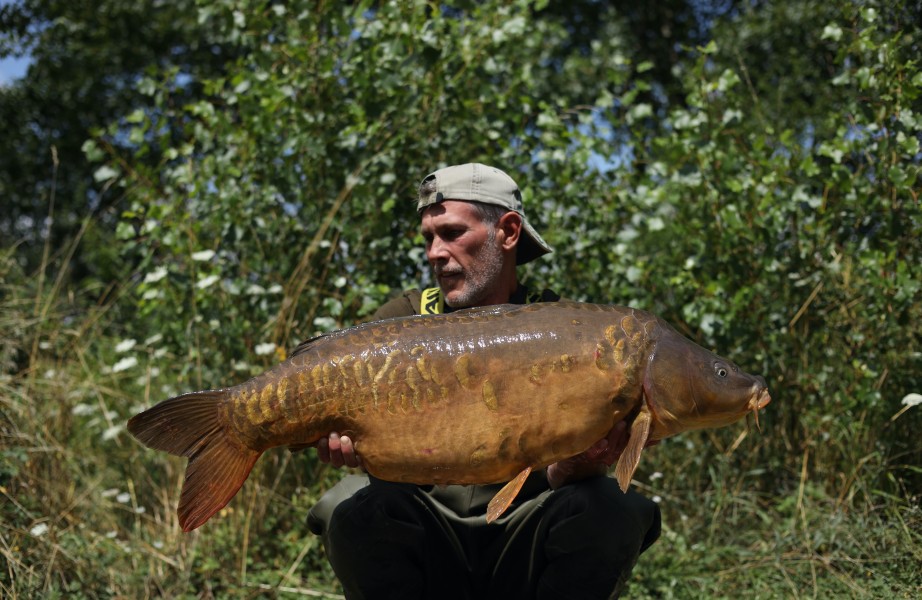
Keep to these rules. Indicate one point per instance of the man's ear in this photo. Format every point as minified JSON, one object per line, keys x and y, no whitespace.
{"x":510,"y":228}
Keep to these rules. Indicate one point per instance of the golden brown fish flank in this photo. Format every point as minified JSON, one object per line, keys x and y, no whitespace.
{"x":478,"y":396}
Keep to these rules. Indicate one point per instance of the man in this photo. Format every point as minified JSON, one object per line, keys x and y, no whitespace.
{"x":571,"y":532}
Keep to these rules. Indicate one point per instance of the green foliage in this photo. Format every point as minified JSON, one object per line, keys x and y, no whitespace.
{"x":768,"y":207}
{"x":283,"y":208}
{"x":85,"y":59}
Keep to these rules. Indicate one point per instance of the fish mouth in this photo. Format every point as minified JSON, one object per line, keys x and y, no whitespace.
{"x":759,"y":400}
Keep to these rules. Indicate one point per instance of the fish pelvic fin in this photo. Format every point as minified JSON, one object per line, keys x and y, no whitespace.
{"x":192,"y":425}
{"x":630,"y":458}
{"x":506,"y":495}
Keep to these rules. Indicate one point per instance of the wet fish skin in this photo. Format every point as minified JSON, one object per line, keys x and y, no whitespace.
{"x":477,"y":396}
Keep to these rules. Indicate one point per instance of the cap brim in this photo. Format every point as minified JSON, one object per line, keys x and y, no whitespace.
{"x":531,"y":245}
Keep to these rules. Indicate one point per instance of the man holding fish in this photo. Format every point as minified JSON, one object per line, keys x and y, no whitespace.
{"x":570,"y":532}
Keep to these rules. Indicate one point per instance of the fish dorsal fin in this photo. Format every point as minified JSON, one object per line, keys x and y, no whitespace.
{"x":505,"y":496}
{"x":630,"y":458}
{"x":306,"y":344}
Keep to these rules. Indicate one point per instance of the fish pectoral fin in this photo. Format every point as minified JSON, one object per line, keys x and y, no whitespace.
{"x":630,"y":458}
{"x":505,"y":496}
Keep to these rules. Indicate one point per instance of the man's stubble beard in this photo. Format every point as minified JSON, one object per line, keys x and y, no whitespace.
{"x":481,"y":278}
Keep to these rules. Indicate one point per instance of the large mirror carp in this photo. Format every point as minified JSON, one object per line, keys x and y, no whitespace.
{"x":472,"y":397}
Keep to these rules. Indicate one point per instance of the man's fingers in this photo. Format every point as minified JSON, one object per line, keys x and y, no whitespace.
{"x":323,"y":450}
{"x":336,"y":451}
{"x":618,"y":437}
{"x":348,"y":452}
{"x":597,"y":449}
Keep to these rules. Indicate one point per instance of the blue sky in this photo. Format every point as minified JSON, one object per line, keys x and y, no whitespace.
{"x":12,"y":68}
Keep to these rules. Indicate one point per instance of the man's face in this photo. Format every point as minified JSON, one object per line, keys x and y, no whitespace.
{"x":464,"y":253}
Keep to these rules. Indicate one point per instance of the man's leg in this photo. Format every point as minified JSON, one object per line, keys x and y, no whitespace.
{"x":580,"y":541}
{"x":385,"y":540}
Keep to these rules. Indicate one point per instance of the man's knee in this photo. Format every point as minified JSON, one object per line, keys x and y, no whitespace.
{"x":619,"y":525}
{"x":377,"y":511}
{"x":319,"y":517}
{"x":594,"y":535}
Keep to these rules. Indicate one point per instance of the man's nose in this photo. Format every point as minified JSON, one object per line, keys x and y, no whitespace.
{"x":436,"y":251}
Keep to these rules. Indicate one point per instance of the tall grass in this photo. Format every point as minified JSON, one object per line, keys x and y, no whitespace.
{"x":728,"y":535}
{"x":87,"y":512}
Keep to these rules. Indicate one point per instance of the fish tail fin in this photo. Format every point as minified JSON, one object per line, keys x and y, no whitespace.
{"x":192,"y":425}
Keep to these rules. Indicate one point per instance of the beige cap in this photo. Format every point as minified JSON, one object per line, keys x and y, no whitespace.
{"x":475,"y":182}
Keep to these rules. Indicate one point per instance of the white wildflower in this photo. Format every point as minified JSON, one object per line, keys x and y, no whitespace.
{"x":111,"y":432}
{"x":255,"y":290}
{"x":263,"y":349}
{"x":153,"y":339}
{"x":125,"y":345}
{"x":112,"y":535}
{"x":124,"y":498}
{"x":655,"y":476}
{"x":207,"y":282}
{"x":324,"y":323}
{"x":203,"y":256}
{"x":275,"y":289}
{"x":82,"y":410}
{"x":656,"y":499}
{"x":911,"y":400}
{"x":155,"y":275}
{"x":39,"y":530}
{"x":124,"y":364}
{"x":109,"y":492}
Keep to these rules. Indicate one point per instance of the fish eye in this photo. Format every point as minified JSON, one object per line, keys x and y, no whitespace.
{"x":722,"y":371}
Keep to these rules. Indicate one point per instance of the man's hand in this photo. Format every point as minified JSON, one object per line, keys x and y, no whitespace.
{"x":594,"y":461}
{"x":338,"y":451}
